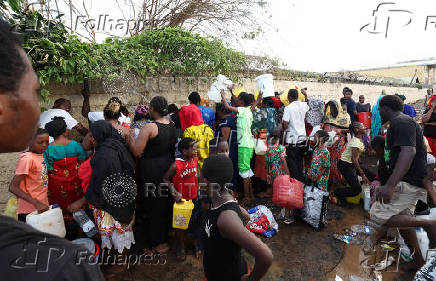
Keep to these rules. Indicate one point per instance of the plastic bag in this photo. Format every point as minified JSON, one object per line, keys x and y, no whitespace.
{"x":315,"y":207}
{"x":11,"y":208}
{"x":287,"y":192}
{"x":261,"y":147}
{"x":428,"y":271}
{"x":262,"y":221}
{"x":221,"y":83}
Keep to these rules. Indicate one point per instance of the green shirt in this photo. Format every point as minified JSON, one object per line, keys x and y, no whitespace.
{"x":243,"y":125}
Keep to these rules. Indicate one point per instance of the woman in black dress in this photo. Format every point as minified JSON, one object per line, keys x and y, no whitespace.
{"x":155,"y":149}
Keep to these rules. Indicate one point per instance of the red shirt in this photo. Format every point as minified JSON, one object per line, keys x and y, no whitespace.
{"x":185,"y":179}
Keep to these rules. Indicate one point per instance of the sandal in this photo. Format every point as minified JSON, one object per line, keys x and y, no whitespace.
{"x":161,"y":249}
{"x":180,"y":254}
{"x":288,"y":220}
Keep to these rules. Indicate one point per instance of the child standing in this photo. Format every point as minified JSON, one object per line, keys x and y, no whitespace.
{"x":184,"y":175}
{"x":30,"y":181}
{"x":320,"y":166}
{"x":245,"y":138}
{"x":277,"y":166}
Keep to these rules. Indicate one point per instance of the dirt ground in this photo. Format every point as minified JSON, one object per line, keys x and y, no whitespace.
{"x":300,"y":253}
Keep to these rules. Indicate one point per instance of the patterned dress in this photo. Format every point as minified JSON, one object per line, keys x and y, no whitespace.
{"x":275,"y":157}
{"x":264,"y":118}
{"x":321,"y":160}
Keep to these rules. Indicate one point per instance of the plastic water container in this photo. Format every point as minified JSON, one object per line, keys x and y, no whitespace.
{"x":365,"y":118}
{"x":182,"y":214}
{"x":366,"y":197}
{"x":355,"y":200}
{"x":51,"y":221}
{"x":11,"y":208}
{"x":284,"y":97}
{"x":287,"y":192}
{"x":265,"y":83}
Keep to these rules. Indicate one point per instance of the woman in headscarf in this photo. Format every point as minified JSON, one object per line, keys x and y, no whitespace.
{"x":112,"y":189}
{"x":336,"y":120}
{"x":63,"y":157}
{"x":408,"y":109}
{"x":194,"y":128}
{"x":315,"y":114}
{"x":155,"y":150}
{"x":376,"y":119}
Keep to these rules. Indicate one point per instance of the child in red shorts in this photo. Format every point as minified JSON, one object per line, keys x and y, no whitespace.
{"x":184,"y":174}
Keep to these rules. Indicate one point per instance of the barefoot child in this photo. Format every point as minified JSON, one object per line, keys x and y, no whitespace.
{"x":224,"y":233}
{"x":184,"y":175}
{"x":30,"y":181}
{"x":245,"y":139}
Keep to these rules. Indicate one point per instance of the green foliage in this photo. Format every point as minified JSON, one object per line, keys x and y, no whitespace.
{"x":15,"y":5}
{"x":63,"y":58}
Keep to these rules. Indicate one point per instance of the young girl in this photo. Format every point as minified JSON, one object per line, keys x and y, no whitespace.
{"x":349,"y":164}
{"x":30,"y":181}
{"x":276,"y":165}
{"x":184,"y":174}
{"x":245,"y":139}
{"x":320,"y":166}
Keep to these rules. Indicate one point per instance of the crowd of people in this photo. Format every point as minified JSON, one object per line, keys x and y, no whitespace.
{"x":129,"y":169}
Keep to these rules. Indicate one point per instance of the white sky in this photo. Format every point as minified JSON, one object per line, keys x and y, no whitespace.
{"x":320,"y":35}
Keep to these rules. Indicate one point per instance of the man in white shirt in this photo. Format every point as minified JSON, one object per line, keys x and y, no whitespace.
{"x":295,"y":133}
{"x":61,"y":108}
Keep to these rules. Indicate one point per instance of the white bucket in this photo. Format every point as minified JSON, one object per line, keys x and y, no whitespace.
{"x":265,"y":83}
{"x":221,"y":83}
{"x":51,"y":221}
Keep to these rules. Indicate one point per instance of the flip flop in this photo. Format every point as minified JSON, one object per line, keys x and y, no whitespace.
{"x":180,"y":254}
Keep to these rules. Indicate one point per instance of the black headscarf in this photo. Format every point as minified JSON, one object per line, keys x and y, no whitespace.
{"x":112,"y":186}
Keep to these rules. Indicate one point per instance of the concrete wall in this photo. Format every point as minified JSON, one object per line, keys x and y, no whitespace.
{"x":134,"y":92}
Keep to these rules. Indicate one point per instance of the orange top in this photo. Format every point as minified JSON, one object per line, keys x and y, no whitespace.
{"x":33,"y":167}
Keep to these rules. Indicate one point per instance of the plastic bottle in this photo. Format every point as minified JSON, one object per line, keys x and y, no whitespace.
{"x":85,"y":223}
{"x":362,"y":229}
{"x":366,"y":198}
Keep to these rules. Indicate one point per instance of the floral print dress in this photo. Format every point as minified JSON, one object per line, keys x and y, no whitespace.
{"x":321,"y":161}
{"x":275,"y":156}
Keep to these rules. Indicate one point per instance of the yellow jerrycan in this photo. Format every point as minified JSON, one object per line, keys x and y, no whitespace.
{"x":182,"y":214}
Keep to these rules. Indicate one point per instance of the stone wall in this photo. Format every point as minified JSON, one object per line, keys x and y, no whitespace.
{"x":133,"y":92}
